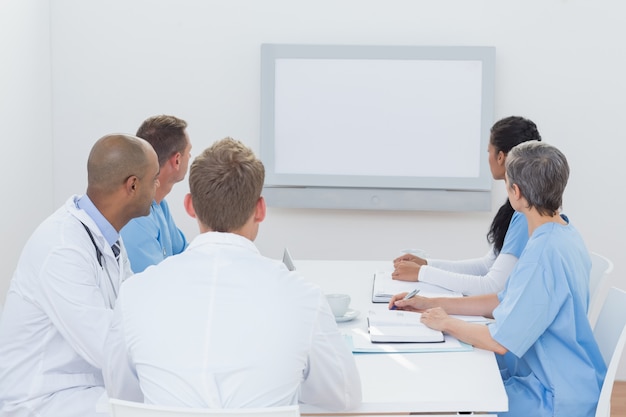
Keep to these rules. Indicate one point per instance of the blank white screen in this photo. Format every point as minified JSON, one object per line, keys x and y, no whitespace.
{"x":369,"y":117}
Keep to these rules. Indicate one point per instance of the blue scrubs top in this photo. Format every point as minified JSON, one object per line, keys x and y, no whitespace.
{"x":152,"y":238}
{"x":554,"y":366}
{"x":516,"y":235}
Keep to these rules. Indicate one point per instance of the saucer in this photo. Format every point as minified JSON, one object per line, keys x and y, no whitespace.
{"x":350,"y":315}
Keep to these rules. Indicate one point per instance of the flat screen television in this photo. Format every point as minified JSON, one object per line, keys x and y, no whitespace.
{"x":377,"y":127}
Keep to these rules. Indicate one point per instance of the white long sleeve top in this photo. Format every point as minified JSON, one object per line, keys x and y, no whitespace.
{"x":480,"y":275}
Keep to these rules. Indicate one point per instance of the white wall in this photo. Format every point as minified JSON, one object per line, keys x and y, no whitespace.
{"x":558,"y":62}
{"x":116,"y":62}
{"x":26,"y":126}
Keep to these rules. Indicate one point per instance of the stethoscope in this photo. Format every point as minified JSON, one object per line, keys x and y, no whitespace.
{"x":100,"y":257}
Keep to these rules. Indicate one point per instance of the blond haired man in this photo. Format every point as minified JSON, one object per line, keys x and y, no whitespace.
{"x":220,"y":325}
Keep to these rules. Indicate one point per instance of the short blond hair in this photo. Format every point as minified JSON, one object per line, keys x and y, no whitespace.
{"x":225,"y":182}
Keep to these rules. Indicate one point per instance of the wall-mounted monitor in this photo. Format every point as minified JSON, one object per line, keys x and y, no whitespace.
{"x":377,"y":127}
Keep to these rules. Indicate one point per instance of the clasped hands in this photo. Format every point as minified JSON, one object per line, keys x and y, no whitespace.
{"x":407,"y":267}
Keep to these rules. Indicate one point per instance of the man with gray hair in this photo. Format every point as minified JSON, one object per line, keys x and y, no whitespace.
{"x":235,"y":329}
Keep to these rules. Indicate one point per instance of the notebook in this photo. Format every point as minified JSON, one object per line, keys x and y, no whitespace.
{"x":393,"y":326}
{"x":288,"y":261}
{"x":384,"y":288}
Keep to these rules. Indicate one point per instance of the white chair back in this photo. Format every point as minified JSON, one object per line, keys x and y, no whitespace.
{"x":121,"y":408}
{"x":610,"y":333}
{"x":601,"y":267}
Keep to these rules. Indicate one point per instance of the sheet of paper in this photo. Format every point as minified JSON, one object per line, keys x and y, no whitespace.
{"x":385,"y":288}
{"x":400,"y":327}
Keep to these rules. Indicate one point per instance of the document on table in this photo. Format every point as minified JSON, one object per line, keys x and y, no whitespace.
{"x":384,"y":288}
{"x":395,"y":326}
{"x":359,"y":341}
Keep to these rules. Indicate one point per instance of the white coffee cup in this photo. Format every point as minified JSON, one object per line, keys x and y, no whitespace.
{"x":339,"y":303}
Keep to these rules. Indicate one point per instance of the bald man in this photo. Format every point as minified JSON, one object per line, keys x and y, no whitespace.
{"x":59,"y":305}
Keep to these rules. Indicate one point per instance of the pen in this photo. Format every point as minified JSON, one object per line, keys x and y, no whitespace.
{"x":408,"y":297}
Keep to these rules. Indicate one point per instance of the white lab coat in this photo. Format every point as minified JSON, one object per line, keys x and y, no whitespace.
{"x":57,"y":314}
{"x":221,"y":326}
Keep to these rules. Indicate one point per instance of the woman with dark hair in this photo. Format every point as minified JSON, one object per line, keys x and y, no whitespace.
{"x":508,"y":233}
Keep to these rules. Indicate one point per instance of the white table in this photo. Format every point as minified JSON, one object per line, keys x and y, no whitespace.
{"x":417,"y":383}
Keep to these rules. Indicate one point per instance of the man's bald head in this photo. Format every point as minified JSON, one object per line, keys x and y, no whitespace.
{"x":113,"y":159}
